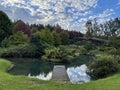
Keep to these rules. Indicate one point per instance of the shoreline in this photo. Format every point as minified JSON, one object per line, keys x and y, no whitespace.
{"x":11,"y":67}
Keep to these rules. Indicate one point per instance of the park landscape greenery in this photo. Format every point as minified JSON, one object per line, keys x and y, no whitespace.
{"x":54,"y":44}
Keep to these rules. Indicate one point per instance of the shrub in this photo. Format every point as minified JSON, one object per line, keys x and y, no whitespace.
{"x":27,"y":50}
{"x":108,"y":50}
{"x":103,"y":66}
{"x":82,"y":50}
{"x":89,"y":46}
{"x":15,"y":39}
{"x":63,"y":53}
{"x":52,"y":54}
{"x":114,"y":41}
{"x":57,"y":54}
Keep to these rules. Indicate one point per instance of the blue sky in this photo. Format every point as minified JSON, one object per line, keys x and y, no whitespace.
{"x":70,"y":14}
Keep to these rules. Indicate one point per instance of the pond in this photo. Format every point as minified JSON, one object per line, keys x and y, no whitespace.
{"x":36,"y":68}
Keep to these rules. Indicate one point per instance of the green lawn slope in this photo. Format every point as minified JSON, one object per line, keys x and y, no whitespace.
{"x":10,"y":82}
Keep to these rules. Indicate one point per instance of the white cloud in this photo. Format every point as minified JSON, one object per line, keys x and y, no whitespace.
{"x":63,"y":12}
{"x":102,"y":17}
{"x":11,"y":2}
{"x":106,"y":13}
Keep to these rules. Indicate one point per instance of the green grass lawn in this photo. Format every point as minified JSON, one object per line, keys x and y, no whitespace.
{"x":10,"y":82}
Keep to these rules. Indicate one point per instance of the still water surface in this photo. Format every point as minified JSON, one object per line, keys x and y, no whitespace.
{"x":35,"y":68}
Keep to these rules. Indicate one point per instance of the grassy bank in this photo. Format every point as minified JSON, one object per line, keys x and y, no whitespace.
{"x":10,"y":82}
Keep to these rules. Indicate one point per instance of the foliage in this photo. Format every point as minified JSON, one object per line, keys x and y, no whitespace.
{"x":57,"y":39}
{"x":46,"y":37}
{"x":21,"y":26}
{"x":58,"y":29}
{"x":57,"y":55}
{"x":15,"y":39}
{"x":74,"y":34}
{"x":27,"y":50}
{"x":63,"y":53}
{"x":112,"y":27}
{"x":5,"y":26}
{"x":64,"y":38}
{"x":53,"y":54}
{"x":89,"y":32}
{"x":108,"y":29}
{"x":36,"y":39}
{"x":103,"y":66}
{"x":89,"y":46}
{"x":36,"y":27}
{"x":108,"y":50}
{"x":114,"y":41}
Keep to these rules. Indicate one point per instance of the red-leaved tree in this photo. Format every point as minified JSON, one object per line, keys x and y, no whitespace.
{"x":21,"y":26}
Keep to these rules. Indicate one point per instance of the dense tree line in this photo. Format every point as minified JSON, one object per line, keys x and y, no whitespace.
{"x":18,"y":33}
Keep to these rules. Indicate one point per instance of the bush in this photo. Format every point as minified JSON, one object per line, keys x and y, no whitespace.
{"x":21,"y":51}
{"x":108,"y":50}
{"x":82,"y":50}
{"x":52,"y":54}
{"x":63,"y":53}
{"x":103,"y":66}
{"x":15,"y":39}
{"x":57,"y":54}
{"x":114,"y":41}
{"x":89,"y":46}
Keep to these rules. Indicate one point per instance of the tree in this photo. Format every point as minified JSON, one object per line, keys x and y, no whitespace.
{"x":64,"y":38}
{"x":58,"y":29}
{"x":108,"y":29}
{"x":74,"y":34}
{"x":57,"y":39}
{"x":36,"y":42}
{"x":5,"y":26}
{"x":51,"y":28}
{"x":36,"y":27}
{"x":112,"y":27}
{"x":47,"y":37}
{"x":21,"y":26}
{"x":36,"y":39}
{"x":89,"y":29}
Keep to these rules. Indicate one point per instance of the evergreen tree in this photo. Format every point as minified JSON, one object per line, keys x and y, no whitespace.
{"x":5,"y":26}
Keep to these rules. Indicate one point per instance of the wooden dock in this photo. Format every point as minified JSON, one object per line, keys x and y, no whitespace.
{"x":59,"y":73}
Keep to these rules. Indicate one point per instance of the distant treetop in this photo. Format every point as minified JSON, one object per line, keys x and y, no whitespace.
{"x":21,"y":26}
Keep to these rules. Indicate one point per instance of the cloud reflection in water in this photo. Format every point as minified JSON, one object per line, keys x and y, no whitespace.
{"x":42,"y":76}
{"x":78,"y":74}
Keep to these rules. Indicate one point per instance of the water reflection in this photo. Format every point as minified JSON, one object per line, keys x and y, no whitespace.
{"x":78,"y":74}
{"x":37,"y":68}
{"x":75,"y":74}
{"x":42,"y":76}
